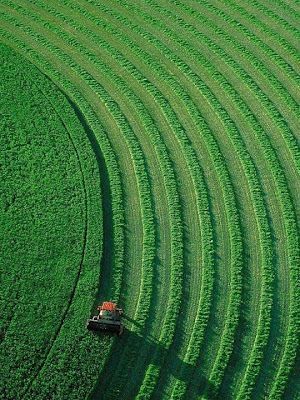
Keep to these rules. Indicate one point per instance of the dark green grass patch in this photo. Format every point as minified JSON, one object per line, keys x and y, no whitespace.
{"x":50,"y":232}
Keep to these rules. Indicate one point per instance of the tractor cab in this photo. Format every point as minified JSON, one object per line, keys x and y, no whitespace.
{"x":108,"y":319}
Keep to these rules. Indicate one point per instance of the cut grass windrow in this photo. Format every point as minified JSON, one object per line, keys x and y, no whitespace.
{"x":284,"y":10}
{"x":219,"y":23}
{"x":290,"y":140}
{"x":219,"y":167}
{"x":244,"y":20}
{"x":267,"y":258}
{"x":262,"y":335}
{"x":279,"y":89}
{"x":267,"y":20}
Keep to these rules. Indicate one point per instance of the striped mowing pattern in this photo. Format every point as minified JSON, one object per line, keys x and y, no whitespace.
{"x":193,"y":117}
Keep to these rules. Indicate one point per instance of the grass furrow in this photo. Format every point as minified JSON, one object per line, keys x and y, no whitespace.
{"x":268,"y":19}
{"x":235,"y":61}
{"x":283,"y":10}
{"x":296,"y":152}
{"x":280,"y":91}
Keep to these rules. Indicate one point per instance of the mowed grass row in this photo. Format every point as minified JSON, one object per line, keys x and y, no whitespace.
{"x":291,"y":171}
{"x":292,"y":182}
{"x":287,"y":35}
{"x":131,"y":44}
{"x":118,"y":229}
{"x":267,"y":88}
{"x":52,"y":184}
{"x":294,"y":193}
{"x":285,"y":55}
{"x":284,"y":10}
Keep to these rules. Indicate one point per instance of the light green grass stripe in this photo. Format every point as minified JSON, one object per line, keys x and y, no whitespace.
{"x":154,"y":372}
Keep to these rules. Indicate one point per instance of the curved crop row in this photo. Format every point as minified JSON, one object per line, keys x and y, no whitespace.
{"x":265,"y":338}
{"x":294,"y":147}
{"x":285,"y":26}
{"x":284,"y":10}
{"x":146,"y":287}
{"x":271,"y":54}
{"x":178,"y":92}
{"x":292,"y":242}
{"x":279,"y":89}
{"x":274,"y":113}
{"x":267,"y":269}
{"x":267,"y":48}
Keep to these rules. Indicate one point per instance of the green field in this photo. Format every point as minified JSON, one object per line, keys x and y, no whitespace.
{"x":150,"y":155}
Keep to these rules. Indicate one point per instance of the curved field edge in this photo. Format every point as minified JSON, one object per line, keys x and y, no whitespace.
{"x":85,"y":279}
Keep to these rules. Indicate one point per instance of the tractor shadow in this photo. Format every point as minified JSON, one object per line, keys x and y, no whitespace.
{"x":130,"y":356}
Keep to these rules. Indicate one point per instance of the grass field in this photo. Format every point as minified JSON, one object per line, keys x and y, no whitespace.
{"x":150,"y":155}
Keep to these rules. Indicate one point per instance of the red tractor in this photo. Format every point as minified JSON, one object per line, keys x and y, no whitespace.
{"x":108,"y":319}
